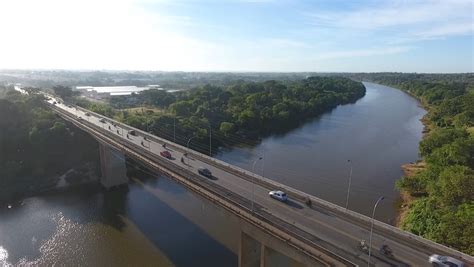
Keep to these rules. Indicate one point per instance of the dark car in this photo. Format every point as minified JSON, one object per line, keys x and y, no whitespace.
{"x":132,"y":132}
{"x":102,"y":120}
{"x":205,"y":172}
{"x":166,"y":154}
{"x":87,"y":114}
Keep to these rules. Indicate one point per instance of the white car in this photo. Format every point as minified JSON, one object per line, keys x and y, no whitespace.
{"x":278,"y":195}
{"x":438,"y":260}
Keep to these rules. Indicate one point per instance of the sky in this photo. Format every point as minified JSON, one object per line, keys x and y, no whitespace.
{"x":238,"y":35}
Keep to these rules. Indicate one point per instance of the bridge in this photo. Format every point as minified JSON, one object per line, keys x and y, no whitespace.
{"x":272,"y":233}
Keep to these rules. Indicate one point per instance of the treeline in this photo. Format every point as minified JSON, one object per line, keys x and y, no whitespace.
{"x":36,"y":146}
{"x":443,"y":209}
{"x":239,"y":113}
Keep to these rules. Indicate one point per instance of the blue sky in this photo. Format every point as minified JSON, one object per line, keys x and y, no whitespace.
{"x":239,"y":35}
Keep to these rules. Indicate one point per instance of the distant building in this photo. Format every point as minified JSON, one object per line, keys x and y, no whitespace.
{"x":102,"y":92}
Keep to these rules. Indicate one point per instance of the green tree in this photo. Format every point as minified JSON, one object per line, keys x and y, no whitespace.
{"x":440,"y":137}
{"x":64,"y":92}
{"x":456,"y":229}
{"x":457,"y":185}
{"x":226,"y":127}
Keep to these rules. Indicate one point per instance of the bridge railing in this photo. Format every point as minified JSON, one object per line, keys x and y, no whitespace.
{"x":352,"y":216}
{"x":284,"y":230}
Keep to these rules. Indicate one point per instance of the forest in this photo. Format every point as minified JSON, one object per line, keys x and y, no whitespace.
{"x":443,"y":192}
{"x":240,"y":113}
{"x":36,"y":145}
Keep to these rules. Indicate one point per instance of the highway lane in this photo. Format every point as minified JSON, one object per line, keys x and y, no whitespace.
{"x":336,"y":233}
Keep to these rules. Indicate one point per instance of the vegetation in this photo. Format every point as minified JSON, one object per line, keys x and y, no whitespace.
{"x":239,"y":113}
{"x":33,"y":144}
{"x":443,"y":209}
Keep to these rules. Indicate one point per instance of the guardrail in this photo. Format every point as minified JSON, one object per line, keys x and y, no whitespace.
{"x":266,"y":222}
{"x":354,"y":217}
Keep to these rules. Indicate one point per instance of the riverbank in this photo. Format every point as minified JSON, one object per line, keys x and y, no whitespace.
{"x":409,"y":170}
{"x":436,"y":196}
{"x":73,"y":178}
{"x":412,"y":168}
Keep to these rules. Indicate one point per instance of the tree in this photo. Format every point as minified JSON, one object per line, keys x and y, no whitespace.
{"x":440,"y":137}
{"x":226,"y":127}
{"x":64,"y":92}
{"x":423,"y":218}
{"x":457,"y":185}
{"x":456,"y":228}
{"x":459,"y":152}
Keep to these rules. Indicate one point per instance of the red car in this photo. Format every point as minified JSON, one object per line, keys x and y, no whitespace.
{"x":166,"y":154}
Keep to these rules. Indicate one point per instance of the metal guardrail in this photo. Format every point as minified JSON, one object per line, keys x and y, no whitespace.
{"x":354,"y":217}
{"x":243,"y":204}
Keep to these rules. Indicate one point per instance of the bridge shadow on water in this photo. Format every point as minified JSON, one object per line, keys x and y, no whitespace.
{"x":180,"y":239}
{"x":144,"y":211}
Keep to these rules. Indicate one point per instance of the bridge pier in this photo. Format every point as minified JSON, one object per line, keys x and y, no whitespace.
{"x":112,"y":166}
{"x":253,"y":253}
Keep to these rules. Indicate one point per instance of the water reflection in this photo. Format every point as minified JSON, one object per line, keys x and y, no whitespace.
{"x":153,"y":221}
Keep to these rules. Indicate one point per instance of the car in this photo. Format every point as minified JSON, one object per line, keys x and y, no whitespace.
{"x":166,"y":154}
{"x":54,"y":103}
{"x":278,"y":195}
{"x":102,"y":120}
{"x":205,"y":172}
{"x":87,"y":114}
{"x":132,"y":132}
{"x":79,"y":118}
{"x":438,"y":260}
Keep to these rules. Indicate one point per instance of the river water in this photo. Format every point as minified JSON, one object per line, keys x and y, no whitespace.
{"x":156,"y":222}
{"x":378,"y":133}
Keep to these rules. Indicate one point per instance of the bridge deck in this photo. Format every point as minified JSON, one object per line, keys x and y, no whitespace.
{"x":337,"y":232}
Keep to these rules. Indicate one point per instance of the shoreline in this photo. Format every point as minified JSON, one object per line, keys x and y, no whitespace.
{"x":410,"y":169}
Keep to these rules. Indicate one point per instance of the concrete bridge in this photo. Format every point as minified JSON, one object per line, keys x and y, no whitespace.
{"x":272,"y":233}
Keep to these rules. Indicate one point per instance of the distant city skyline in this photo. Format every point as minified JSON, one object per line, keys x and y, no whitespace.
{"x":239,"y":35}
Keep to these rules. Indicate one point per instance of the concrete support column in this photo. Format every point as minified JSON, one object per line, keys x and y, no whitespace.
{"x":112,"y":166}
{"x":249,"y":251}
{"x":273,"y":258}
{"x":253,"y":253}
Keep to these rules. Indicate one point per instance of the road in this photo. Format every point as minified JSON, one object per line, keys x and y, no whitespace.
{"x":335,"y":233}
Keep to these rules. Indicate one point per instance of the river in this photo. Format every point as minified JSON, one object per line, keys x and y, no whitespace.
{"x":378,"y":133}
{"x":155,"y":221}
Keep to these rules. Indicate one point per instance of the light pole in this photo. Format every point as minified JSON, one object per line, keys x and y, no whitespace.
{"x":349,"y":186}
{"x":189,"y":140}
{"x":253,"y":180}
{"x":372,"y":227}
{"x":187,"y":145}
{"x":174,"y":128}
{"x":210,"y":141}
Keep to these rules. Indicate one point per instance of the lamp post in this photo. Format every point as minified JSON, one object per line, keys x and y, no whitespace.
{"x":349,"y":186}
{"x":174,"y":128}
{"x":372,"y":227}
{"x":187,"y":145}
{"x":189,"y":140}
{"x":210,"y":140}
{"x":253,"y":181}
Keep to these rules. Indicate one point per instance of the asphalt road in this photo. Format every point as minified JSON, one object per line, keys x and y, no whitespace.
{"x":335,"y":233}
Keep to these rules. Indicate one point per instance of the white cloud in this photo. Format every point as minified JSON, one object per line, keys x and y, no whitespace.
{"x":414,"y":20}
{"x":448,"y":30}
{"x":396,"y":13}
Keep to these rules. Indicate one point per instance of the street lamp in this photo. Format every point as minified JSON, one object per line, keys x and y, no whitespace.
{"x":174,"y":128}
{"x":253,"y":180}
{"x":349,"y":186}
{"x":372,"y":227}
{"x":189,"y":140}
{"x":210,"y":141}
{"x":187,"y":145}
